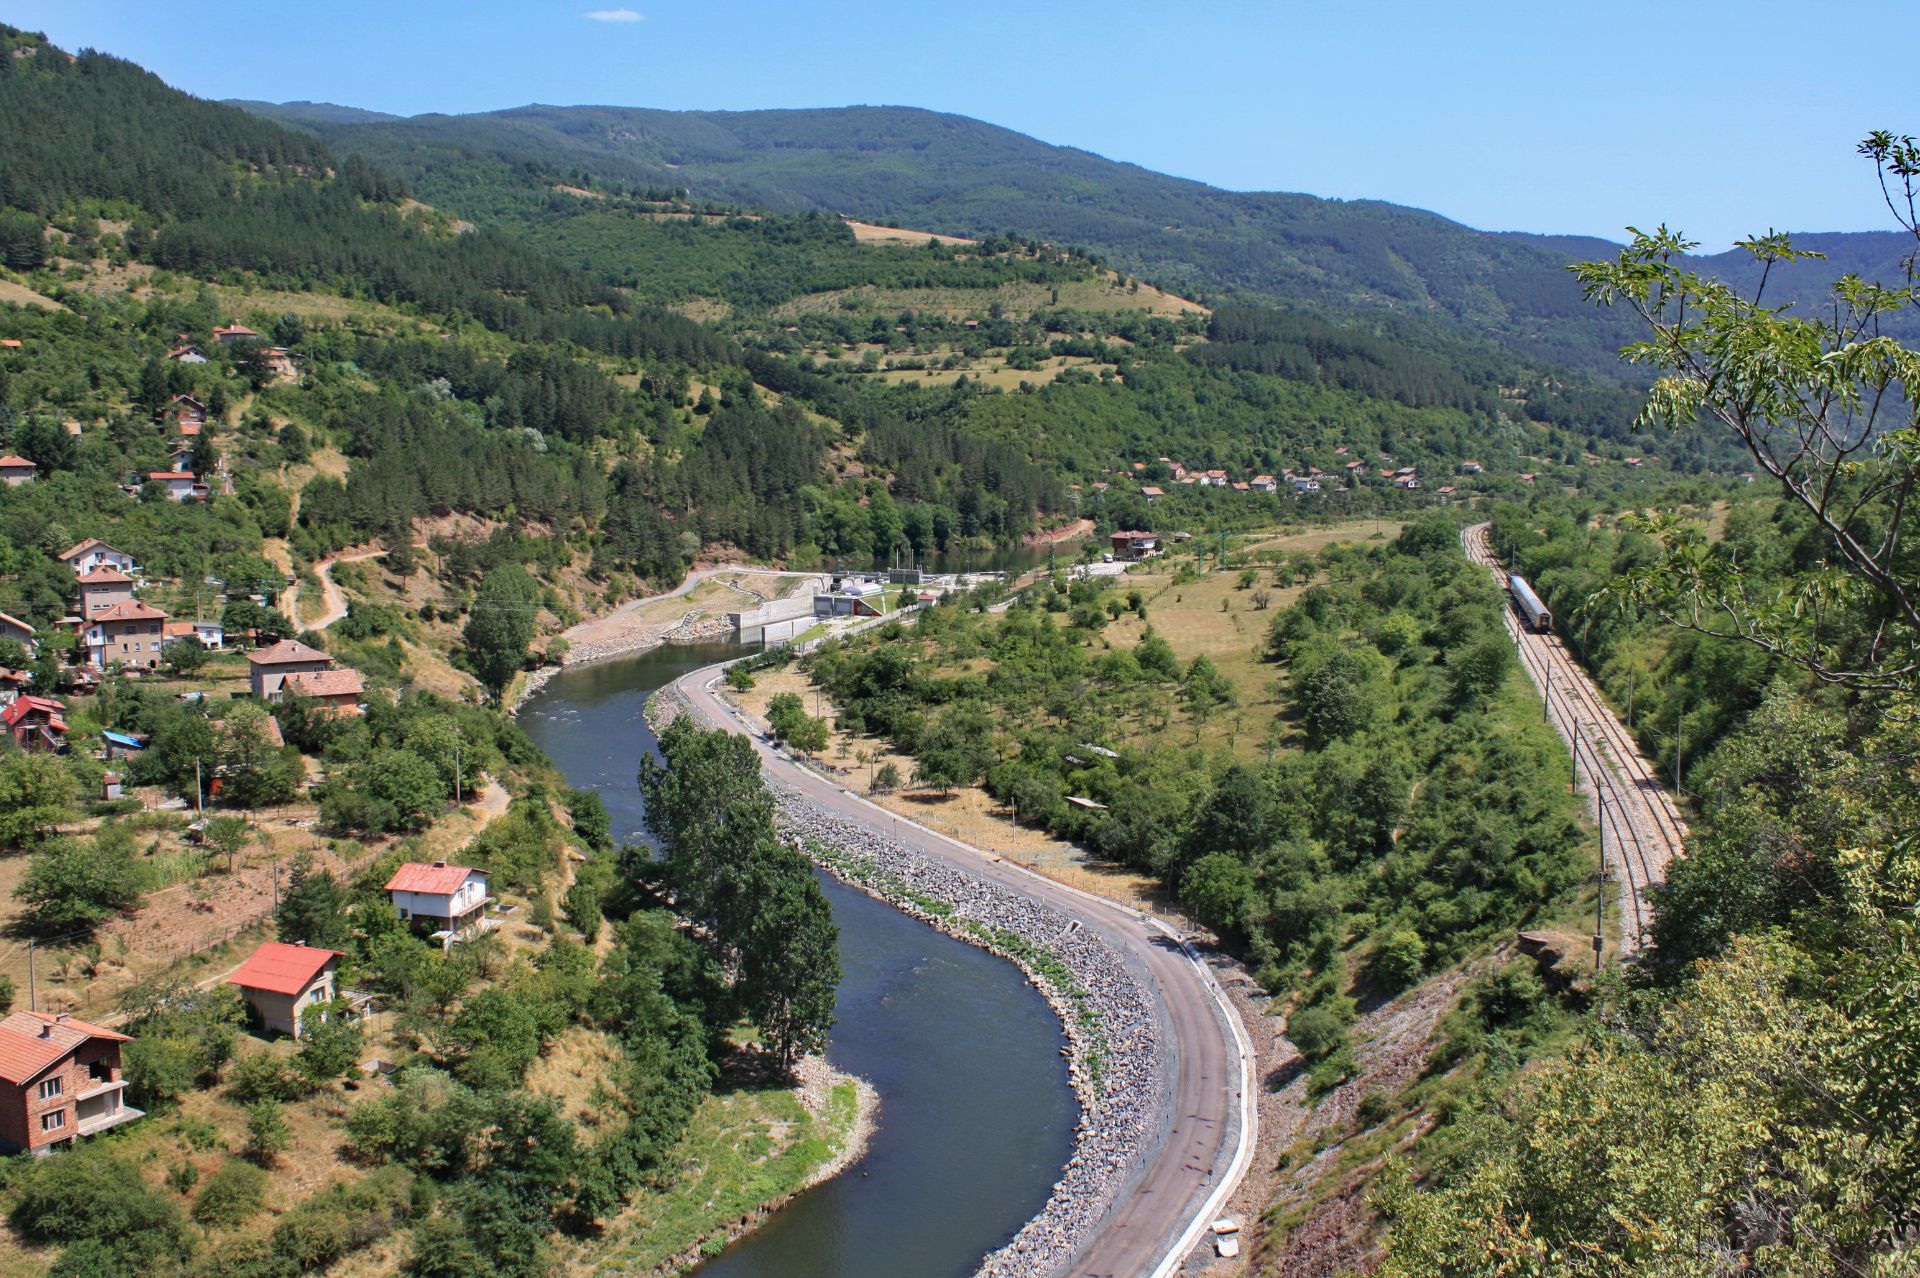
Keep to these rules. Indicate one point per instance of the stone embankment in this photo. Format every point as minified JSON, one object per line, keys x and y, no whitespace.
{"x":1115,"y":1056}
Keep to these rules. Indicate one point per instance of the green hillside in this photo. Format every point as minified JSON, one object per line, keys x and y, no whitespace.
{"x":956,"y":175}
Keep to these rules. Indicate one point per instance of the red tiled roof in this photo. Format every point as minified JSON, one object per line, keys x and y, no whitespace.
{"x":5,"y":620}
{"x":280,"y":968}
{"x":12,"y":462}
{"x":130,"y":610}
{"x":104,"y":576}
{"x":24,"y":1053}
{"x":286,"y":653}
{"x":326,"y":683}
{"x":433,"y":880}
{"x":21,"y":707}
{"x":168,"y":476}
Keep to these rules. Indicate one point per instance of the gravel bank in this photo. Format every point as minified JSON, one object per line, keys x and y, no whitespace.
{"x":1116,"y":1058}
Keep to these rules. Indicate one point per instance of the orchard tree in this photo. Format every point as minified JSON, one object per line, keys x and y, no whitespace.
{"x":37,"y":794}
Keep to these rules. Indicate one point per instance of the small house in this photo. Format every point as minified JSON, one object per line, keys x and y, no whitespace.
{"x":83,"y":557}
{"x":111,"y":787}
{"x":270,"y":668}
{"x":59,"y":1080}
{"x":211,"y":635}
{"x":1134,"y":544}
{"x":236,"y":334}
{"x":445,"y":901}
{"x":340,"y":690}
{"x":188,"y":354}
{"x":1264,"y":484}
{"x":1152,"y":493}
{"x":16,"y":470}
{"x":131,"y":633}
{"x":185,"y":410}
{"x":121,"y":745}
{"x":180,"y":484}
{"x":20,"y":632}
{"x":283,"y":983}
{"x":36,"y":723}
{"x":1470,"y":468}
{"x":279,"y":362}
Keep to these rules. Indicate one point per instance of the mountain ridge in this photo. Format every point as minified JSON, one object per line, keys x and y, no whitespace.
{"x":957,"y":175}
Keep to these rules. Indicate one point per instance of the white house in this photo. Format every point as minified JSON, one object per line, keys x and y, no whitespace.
{"x":15,"y":471}
{"x":84,"y":557}
{"x":180,"y":484}
{"x":20,"y":632}
{"x":445,"y":901}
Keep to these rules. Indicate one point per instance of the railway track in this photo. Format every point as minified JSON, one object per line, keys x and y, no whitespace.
{"x":1641,"y":829}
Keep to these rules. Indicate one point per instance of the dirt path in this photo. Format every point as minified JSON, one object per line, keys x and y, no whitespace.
{"x":625,"y":630}
{"x":331,"y":595}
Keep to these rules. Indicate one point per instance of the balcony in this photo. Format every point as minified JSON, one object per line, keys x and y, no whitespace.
{"x":100,"y":1108}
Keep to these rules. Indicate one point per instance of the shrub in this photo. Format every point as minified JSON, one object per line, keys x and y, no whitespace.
{"x":267,"y":1132}
{"x":262,"y":1076}
{"x":1317,"y":1031}
{"x":1401,"y":957}
{"x":233,"y":1195}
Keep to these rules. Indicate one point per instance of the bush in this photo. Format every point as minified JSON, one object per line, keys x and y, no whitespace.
{"x":232,"y":1196}
{"x":330,"y":1048}
{"x":1317,"y":1031}
{"x":259,"y":1076}
{"x":89,"y":1194}
{"x":1400,"y":959}
{"x":267,"y":1132}
{"x":582,"y":907}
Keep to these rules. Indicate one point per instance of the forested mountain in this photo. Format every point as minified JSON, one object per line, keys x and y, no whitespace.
{"x":957,"y":175}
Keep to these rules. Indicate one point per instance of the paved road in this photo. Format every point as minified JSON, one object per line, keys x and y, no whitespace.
{"x":1197,"y":1160}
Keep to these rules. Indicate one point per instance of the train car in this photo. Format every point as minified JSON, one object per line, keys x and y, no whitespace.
{"x":1528,"y":605}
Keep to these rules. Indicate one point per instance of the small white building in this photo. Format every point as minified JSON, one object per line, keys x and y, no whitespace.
{"x":448,"y":902}
{"x":87,"y":556}
{"x":15,"y":471}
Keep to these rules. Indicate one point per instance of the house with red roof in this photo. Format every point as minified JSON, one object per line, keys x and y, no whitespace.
{"x":271,"y":666}
{"x":16,"y":470}
{"x":1132,"y":543}
{"x":282,"y":983}
{"x":35,"y":723}
{"x":181,"y":485}
{"x":1152,"y":493}
{"x":444,"y":901}
{"x":101,"y":589}
{"x":59,"y":1080}
{"x":184,"y":410}
{"x":235,"y":333}
{"x":341,"y":690}
{"x":188,"y":354}
{"x":130,"y":632}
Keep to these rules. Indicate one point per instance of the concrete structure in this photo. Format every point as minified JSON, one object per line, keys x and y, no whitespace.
{"x":283,"y":983}
{"x":102,"y":589}
{"x":59,"y":1080}
{"x":773,"y":621}
{"x":270,"y":668}
{"x":852,"y":597}
{"x":130,"y":633}
{"x":447,"y":902}
{"x":15,"y":471}
{"x":84,"y":557}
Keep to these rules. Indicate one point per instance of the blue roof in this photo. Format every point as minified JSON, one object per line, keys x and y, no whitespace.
{"x":122,"y":739}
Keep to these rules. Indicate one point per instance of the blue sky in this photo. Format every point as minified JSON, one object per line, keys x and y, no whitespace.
{"x":1718,"y":117}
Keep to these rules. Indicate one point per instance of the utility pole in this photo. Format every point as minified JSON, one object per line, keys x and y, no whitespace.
{"x":1600,"y":892}
{"x":1679,"y":747}
{"x":199,"y":792}
{"x":276,"y":887}
{"x":456,"y":772}
{"x":1629,"y":698}
{"x":33,"y":982}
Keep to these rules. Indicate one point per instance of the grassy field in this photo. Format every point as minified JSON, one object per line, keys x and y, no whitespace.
{"x":746,"y":1149}
{"x":1016,"y":299}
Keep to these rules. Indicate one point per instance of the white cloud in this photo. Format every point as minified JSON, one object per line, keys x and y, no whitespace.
{"x":612,"y":15}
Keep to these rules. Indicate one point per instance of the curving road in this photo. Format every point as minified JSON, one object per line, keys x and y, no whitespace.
{"x":1641,"y":828}
{"x":1204,"y":1143}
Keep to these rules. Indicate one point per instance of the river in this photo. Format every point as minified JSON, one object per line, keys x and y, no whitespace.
{"x":976,"y":1118}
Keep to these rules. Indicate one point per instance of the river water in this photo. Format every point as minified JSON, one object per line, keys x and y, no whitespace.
{"x":976,"y":1118}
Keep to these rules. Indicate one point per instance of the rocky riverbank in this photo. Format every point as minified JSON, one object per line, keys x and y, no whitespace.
{"x":1115,"y":1055}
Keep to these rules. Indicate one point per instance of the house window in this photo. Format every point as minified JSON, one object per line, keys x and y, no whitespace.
{"x":49,"y":1088}
{"x":316,"y":994}
{"x":53,"y":1122}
